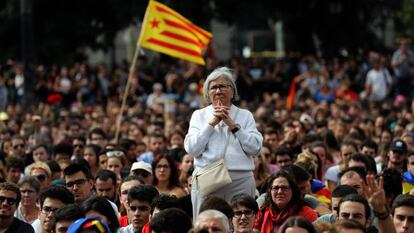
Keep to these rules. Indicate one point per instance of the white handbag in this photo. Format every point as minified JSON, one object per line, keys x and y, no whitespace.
{"x":215,"y":175}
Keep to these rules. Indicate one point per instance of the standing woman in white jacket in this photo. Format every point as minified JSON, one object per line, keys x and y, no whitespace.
{"x":209,"y":129}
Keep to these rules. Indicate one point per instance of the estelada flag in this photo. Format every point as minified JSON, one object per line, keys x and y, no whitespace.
{"x":166,"y":31}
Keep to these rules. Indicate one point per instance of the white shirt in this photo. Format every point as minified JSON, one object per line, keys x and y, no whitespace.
{"x":206,"y":143}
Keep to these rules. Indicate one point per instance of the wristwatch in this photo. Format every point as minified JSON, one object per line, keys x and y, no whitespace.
{"x":382,"y":216}
{"x":235,"y":129}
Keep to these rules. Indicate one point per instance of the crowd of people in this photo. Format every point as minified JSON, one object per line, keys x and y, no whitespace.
{"x":340,"y":158}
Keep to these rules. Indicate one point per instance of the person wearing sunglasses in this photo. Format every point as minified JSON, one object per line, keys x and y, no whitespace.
{"x":42,"y":172}
{"x":9,"y":200}
{"x":116,"y":161}
{"x":142,"y":170}
{"x":245,"y":210}
{"x":78,"y":144}
{"x":18,"y":148}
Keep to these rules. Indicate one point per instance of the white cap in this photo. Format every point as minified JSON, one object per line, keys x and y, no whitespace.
{"x":305,"y":117}
{"x":141,"y":165}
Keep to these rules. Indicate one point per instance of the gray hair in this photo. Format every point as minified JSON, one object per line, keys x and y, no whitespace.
{"x":213,"y":214}
{"x":32,"y":181}
{"x":220,"y":72}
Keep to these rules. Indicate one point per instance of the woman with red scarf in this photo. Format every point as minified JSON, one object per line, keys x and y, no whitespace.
{"x":283,"y":200}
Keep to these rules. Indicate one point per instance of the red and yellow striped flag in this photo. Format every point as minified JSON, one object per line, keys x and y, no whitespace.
{"x":166,"y":31}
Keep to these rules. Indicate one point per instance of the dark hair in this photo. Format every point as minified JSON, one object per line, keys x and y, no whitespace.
{"x":244,"y":200}
{"x":298,"y":172}
{"x":37,"y":146}
{"x":144,"y":193}
{"x":12,"y":187}
{"x":350,"y":224}
{"x":53,"y":165}
{"x":343,"y":190}
{"x":349,"y":143}
{"x":173,"y":179}
{"x":359,"y":199}
{"x":63,"y":148}
{"x":359,"y":157}
{"x":81,"y":161}
{"x":14,"y":162}
{"x":163,"y":201}
{"x":57,"y":192}
{"x":79,"y":138}
{"x":74,"y":168}
{"x":96,"y":149}
{"x":171,"y":220}
{"x":402,"y":200}
{"x":105,"y":175}
{"x":177,"y":154}
{"x":217,"y":203}
{"x":97,"y":131}
{"x":298,"y":221}
{"x":129,"y":178}
{"x":370,"y":144}
{"x":392,"y":182}
{"x":102,"y":206}
{"x":283,"y":150}
{"x":71,"y":212}
{"x":126,"y":143}
{"x":296,"y":202}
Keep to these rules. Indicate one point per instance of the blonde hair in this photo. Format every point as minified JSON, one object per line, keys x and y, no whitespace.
{"x":39,"y":165}
{"x":306,"y":160}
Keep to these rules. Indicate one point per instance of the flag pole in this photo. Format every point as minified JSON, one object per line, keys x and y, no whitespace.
{"x":126,"y":92}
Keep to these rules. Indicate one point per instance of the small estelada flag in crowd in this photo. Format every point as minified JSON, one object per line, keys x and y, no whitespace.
{"x":166,"y":31}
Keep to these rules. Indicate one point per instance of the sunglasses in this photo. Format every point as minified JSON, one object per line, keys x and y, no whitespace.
{"x":143,"y":174}
{"x":18,"y":146}
{"x":247,"y":213}
{"x":9,"y":200}
{"x":115,"y":153}
{"x":47,"y":210}
{"x":41,"y":178}
{"x":76,"y":182}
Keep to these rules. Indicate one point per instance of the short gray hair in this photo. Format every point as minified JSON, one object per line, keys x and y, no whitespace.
{"x":224,"y":72}
{"x":32,"y":181}
{"x":213,"y":214}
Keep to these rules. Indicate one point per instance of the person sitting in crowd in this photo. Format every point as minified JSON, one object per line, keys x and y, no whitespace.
{"x":245,"y":210}
{"x":65,"y":216}
{"x":213,"y":221}
{"x":99,"y":207}
{"x":28,"y":210}
{"x":283,"y":200}
{"x":166,"y":176}
{"x":10,"y":198}
{"x":297,"y":224}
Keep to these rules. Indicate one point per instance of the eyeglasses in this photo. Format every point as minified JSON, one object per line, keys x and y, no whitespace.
{"x":18,"y":146}
{"x":76,"y":182}
{"x":247,"y":213}
{"x":140,"y":208}
{"x":9,"y":200}
{"x":284,"y":188}
{"x":46,"y":209}
{"x":160,"y":166}
{"x":222,"y":87}
{"x":41,"y":178}
{"x":115,"y":153}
